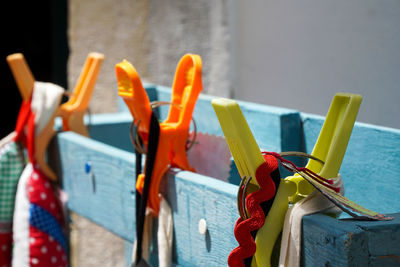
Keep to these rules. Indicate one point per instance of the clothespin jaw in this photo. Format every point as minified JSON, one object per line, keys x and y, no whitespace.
{"x":332,"y":141}
{"x":22,"y":74}
{"x":74,"y":110}
{"x":239,"y":137}
{"x":41,"y":143}
{"x":330,"y":148}
{"x":186,"y":88}
{"x":131,"y":89}
{"x":248,"y":158}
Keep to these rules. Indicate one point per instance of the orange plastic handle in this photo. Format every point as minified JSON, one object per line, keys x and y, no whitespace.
{"x":72,"y":112}
{"x":131,"y":89}
{"x":174,"y":130}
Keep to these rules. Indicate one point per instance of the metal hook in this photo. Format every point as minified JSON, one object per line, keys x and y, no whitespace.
{"x":241,"y":197}
{"x":154,"y":104}
{"x":300,"y":154}
{"x":136,"y":141}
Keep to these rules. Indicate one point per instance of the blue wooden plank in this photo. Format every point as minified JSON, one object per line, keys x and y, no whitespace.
{"x":370,"y":166}
{"x":331,"y":242}
{"x":110,"y":202}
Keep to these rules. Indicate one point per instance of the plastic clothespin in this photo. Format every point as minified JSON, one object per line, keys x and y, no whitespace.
{"x":330,"y":148}
{"x":73,"y":111}
{"x":244,"y":148}
{"x":174,"y":130}
{"x":22,"y":74}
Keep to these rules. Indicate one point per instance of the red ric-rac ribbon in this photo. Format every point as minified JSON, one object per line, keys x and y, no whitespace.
{"x":243,"y":228}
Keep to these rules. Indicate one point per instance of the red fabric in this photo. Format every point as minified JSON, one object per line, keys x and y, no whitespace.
{"x":5,"y":249}
{"x":243,"y":228}
{"x":23,"y":115}
{"x":46,"y":246}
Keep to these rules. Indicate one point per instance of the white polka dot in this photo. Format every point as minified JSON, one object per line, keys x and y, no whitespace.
{"x":53,"y":259}
{"x":4,"y":247}
{"x":43,"y":250}
{"x":32,"y":240}
{"x":58,"y":248}
{"x":52,"y":205}
{"x":35,"y":261}
{"x":47,"y":184}
{"x":35,"y":176}
{"x":51,"y":239}
{"x":43,"y":196}
{"x":31,"y":189}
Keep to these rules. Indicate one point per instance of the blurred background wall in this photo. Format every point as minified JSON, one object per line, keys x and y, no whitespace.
{"x":294,"y":54}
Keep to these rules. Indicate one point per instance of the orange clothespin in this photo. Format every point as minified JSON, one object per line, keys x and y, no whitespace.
{"x":174,"y":130}
{"x":72,"y":112}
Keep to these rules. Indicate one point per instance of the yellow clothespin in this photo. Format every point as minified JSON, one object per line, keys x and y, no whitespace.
{"x":243,"y":146}
{"x":73,"y":111}
{"x":330,"y":148}
{"x":22,"y":75}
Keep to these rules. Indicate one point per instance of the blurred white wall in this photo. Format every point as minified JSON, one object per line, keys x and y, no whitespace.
{"x":297,"y":54}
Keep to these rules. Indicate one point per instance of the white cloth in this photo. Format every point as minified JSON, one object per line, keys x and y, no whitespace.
{"x":21,"y":221}
{"x":291,"y":235}
{"x":164,"y":236}
{"x":9,"y":138}
{"x":45,"y":99}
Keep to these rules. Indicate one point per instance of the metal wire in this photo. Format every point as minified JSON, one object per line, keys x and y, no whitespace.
{"x":135,"y":136}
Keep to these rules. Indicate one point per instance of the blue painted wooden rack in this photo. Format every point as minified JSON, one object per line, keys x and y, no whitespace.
{"x":105,"y":195}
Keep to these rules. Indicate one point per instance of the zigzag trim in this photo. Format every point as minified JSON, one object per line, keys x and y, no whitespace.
{"x":243,"y":228}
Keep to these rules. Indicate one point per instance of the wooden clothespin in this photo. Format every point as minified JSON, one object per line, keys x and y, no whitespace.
{"x":73,"y":111}
{"x":22,"y":75}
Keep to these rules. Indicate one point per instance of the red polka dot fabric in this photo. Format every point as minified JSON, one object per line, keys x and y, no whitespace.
{"x":47,"y":242}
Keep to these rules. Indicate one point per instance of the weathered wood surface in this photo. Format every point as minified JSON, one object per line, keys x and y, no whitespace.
{"x":331,"y":242}
{"x":106,"y":196}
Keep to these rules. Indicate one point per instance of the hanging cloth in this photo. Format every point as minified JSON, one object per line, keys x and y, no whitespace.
{"x":39,"y":228}
{"x":144,"y":220}
{"x":12,"y":163}
{"x":291,"y":235}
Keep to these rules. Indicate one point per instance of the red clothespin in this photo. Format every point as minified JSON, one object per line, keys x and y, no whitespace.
{"x":174,"y":130}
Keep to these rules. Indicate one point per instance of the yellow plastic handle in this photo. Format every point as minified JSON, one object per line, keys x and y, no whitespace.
{"x":239,"y":137}
{"x":330,"y":147}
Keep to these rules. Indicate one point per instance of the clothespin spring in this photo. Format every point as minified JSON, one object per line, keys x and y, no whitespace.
{"x":244,"y":183}
{"x":135,"y":138}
